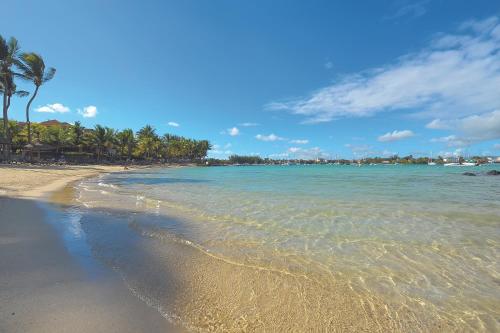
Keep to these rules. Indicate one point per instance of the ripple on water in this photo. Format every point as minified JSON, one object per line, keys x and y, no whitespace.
{"x":256,"y":254}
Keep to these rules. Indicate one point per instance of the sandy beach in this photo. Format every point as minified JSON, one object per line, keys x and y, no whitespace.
{"x":33,"y":181}
{"x":44,"y":287}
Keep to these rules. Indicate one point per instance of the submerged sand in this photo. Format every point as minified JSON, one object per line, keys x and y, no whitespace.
{"x":43,"y":288}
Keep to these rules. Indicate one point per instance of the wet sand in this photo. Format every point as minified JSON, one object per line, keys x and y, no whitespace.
{"x":43,"y":287}
{"x":46,"y":286}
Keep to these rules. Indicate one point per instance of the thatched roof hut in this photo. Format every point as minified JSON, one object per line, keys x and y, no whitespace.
{"x":38,"y":148}
{"x":3,"y":143}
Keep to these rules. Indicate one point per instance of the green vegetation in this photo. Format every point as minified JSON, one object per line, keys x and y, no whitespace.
{"x":236,"y":159}
{"x":57,"y":139}
{"x":26,"y":66}
{"x":32,"y":68}
{"x":104,"y":143}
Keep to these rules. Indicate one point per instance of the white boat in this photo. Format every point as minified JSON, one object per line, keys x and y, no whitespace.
{"x":464,"y":164}
{"x":430,"y":161}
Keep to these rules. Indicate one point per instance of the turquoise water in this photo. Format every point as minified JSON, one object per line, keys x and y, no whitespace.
{"x":422,"y":238}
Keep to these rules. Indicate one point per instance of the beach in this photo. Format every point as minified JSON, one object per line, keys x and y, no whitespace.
{"x":257,"y":248}
{"x":44,"y":287}
{"x":303,"y":248}
{"x":236,"y":166}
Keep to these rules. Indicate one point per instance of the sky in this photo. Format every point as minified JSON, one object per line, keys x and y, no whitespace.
{"x":281,"y":79}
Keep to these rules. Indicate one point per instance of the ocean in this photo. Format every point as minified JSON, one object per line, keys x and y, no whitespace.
{"x":303,"y":247}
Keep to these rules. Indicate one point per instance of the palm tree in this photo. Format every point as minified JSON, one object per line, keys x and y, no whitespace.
{"x":39,"y":131}
{"x":58,"y":136}
{"x":102,"y":137}
{"x":77,"y":135}
{"x":147,"y":141}
{"x":99,"y":139}
{"x":126,"y":139}
{"x":9,"y":52}
{"x":32,"y":68}
{"x":110,"y":138}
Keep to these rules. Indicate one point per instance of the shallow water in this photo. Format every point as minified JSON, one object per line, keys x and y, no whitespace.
{"x":295,"y":248}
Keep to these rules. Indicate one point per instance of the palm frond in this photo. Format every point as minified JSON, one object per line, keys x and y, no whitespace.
{"x":32,"y":67}
{"x":13,"y":46}
{"x":4,"y":48}
{"x":21,"y":76}
{"x":49,"y":75}
{"x":21,"y":93}
{"x":26,"y":71}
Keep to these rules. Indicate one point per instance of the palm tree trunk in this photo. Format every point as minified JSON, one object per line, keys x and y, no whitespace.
{"x":28,"y":113}
{"x":6,"y":126}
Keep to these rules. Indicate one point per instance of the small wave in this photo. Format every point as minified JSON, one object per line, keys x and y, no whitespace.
{"x":171,"y":317}
{"x":106,"y":185}
{"x":163,"y":235}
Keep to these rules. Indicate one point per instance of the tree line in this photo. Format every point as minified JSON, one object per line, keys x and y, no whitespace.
{"x":27,"y":66}
{"x":102,"y":142}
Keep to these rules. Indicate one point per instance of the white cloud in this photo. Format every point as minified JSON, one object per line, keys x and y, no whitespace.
{"x":88,"y":111}
{"x":358,"y":148}
{"x":53,"y":108}
{"x":270,"y":138}
{"x":456,"y":75}
{"x":173,"y":124}
{"x":481,"y":127}
{"x":233,"y":131}
{"x":300,"y":142}
{"x":438,"y":124}
{"x":412,"y":9}
{"x":307,"y":154}
{"x":220,"y":152}
{"x":249,"y":124}
{"x":496,"y":146}
{"x":452,"y":141}
{"x":471,"y":129}
{"x":363,"y":150}
{"x":448,"y":154}
{"x":388,"y":153}
{"x":329,"y":65}
{"x":395,"y":136}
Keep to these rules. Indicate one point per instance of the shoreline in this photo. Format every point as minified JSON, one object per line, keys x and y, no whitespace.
{"x":45,"y":286}
{"x":39,"y":181}
{"x":156,"y":279}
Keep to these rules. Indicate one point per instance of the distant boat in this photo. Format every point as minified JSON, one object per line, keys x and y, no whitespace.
{"x":430,"y":162}
{"x":337,"y":161}
{"x":463,"y":164}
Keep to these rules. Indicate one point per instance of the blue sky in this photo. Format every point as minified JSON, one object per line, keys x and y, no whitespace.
{"x":275,"y":78}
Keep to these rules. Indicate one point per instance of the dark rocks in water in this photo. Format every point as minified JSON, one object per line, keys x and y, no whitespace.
{"x":469,"y":174}
{"x":493,"y":173}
